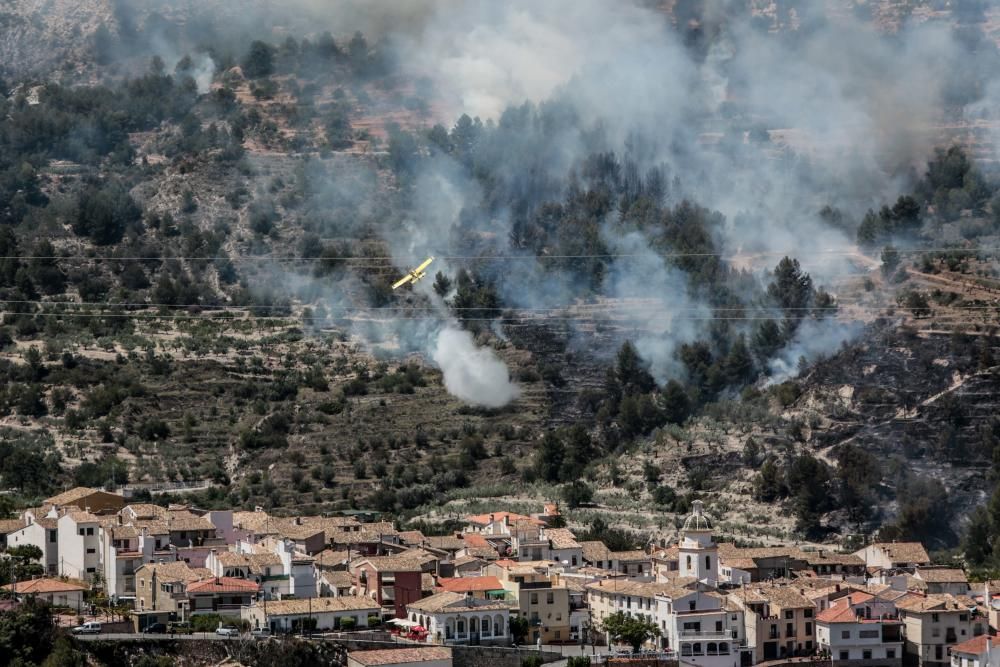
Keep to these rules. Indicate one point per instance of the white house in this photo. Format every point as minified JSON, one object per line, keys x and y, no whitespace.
{"x":79,"y":545}
{"x":701,"y":627}
{"x":456,"y":618}
{"x":861,"y":626}
{"x":54,"y":591}
{"x":42,"y":533}
{"x":123,"y":549}
{"x":981,"y":651}
{"x":326,"y":613}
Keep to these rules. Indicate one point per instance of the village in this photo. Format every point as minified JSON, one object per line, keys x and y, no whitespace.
{"x":503,"y":580}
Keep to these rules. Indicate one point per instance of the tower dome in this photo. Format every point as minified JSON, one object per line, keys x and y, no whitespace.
{"x":698,"y":521}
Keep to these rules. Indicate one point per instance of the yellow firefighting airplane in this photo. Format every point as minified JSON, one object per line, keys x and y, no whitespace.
{"x":414,"y":275}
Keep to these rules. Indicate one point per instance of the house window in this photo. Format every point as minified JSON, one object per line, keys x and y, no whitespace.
{"x":845,"y":655}
{"x":935,"y":618}
{"x":558,"y":633}
{"x":90,"y":531}
{"x":91,"y":550}
{"x":890,"y":653}
{"x":52,"y":536}
{"x":90,"y":570}
{"x":688,"y":561}
{"x":866,"y":654}
{"x":550,"y":598}
{"x":963,"y":617}
{"x":845,"y":634}
{"x":83,"y":532}
{"x":789,"y":629}
{"x":808,"y":613}
{"x":789,"y":614}
{"x":708,"y":562}
{"x":573,"y":560}
{"x":809,"y":628}
{"x":691,"y":605}
{"x":534,"y":598}
{"x":938,"y":652}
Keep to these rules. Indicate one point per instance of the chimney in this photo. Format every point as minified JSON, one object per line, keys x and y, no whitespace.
{"x":298,"y":521}
{"x":87,"y":509}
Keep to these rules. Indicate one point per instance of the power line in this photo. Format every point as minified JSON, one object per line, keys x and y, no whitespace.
{"x":444,"y":257}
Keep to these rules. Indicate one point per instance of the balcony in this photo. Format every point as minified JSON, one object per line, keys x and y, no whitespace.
{"x":707,"y":635}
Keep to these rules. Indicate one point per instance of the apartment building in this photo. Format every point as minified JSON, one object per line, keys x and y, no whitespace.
{"x":779,"y":621}
{"x":861,"y":629}
{"x":392,"y":581}
{"x":932,"y":624}
{"x":702,"y":626}
{"x":541,"y":598}
{"x":78,"y":535}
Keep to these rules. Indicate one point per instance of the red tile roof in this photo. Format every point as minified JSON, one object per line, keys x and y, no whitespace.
{"x":841,"y":611}
{"x":223,"y":585}
{"x":976,"y":645}
{"x":44,"y":585}
{"x":470,"y":584}
{"x":484,"y":519}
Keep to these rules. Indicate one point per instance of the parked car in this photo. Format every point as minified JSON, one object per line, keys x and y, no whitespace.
{"x":261,"y":633}
{"x":88,"y":628}
{"x":156,"y":628}
{"x":227,"y":631}
{"x":179,"y":628}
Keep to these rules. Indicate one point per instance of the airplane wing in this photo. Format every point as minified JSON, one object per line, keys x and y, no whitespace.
{"x":402,"y":281}
{"x":427,"y":262}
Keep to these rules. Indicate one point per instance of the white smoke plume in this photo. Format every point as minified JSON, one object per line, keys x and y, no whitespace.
{"x":475,"y":375}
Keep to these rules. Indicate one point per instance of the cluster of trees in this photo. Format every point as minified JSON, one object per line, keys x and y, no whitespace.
{"x":813,"y":488}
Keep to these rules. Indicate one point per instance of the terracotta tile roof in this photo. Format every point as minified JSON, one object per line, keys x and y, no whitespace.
{"x":83,"y":517}
{"x":474,"y":540}
{"x":50,"y":524}
{"x":594,"y":551}
{"x":122,"y":532}
{"x":841,"y":611}
{"x":827,"y":558}
{"x":637,"y":555}
{"x":260,"y":561}
{"x":188,"y":521}
{"x":637,"y":588}
{"x":484,"y":553}
{"x":153,"y":526}
{"x":74,"y":495}
{"x":446,"y":542}
{"x":320,"y":605}
{"x":255,"y":522}
{"x":223,"y":585}
{"x":484,"y":519}
{"x":455,"y":602}
{"x":355,"y":537}
{"x":339,"y":578}
{"x":44,"y":585}
{"x":781,"y":596}
{"x":917,"y":602}
{"x":562,"y":538}
{"x":329,"y":558}
{"x":904,"y":552}
{"x":380,"y":528}
{"x":942,"y":575}
{"x":8,"y":526}
{"x":976,"y":645}
{"x":465,"y":560}
{"x":175,"y":571}
{"x":146,"y":511}
{"x":469,"y":584}
{"x":232,"y":559}
{"x":396,"y":656}
{"x":412,"y":537}
{"x":398,"y":563}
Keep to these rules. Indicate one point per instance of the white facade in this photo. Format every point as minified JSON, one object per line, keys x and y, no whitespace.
{"x":700,"y":629}
{"x":123,"y":550}
{"x":79,"y":546}
{"x":46,"y":539}
{"x":301,"y":571}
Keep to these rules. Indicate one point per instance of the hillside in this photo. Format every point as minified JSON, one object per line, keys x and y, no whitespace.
{"x":648,"y":288}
